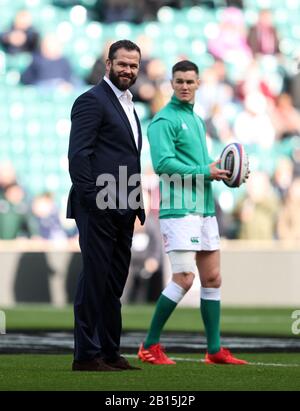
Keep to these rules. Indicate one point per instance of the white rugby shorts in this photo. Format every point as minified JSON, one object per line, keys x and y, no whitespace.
{"x":190,"y":233}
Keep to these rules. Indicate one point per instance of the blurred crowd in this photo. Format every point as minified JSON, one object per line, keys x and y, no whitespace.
{"x":138,"y":11}
{"x":249,"y":93}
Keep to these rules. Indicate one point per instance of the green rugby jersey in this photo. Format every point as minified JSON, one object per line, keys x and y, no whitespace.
{"x":177,"y":138}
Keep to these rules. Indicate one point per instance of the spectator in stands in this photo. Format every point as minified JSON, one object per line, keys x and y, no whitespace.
{"x":257,"y":212}
{"x":296,"y":158}
{"x":146,"y":258}
{"x":230,"y":44}
{"x":253,"y":125}
{"x":285,"y":117}
{"x":153,"y":84}
{"x":263,"y":37}
{"x":294,"y":84}
{"x":161,"y":97}
{"x":235,"y":3}
{"x":22,"y":36}
{"x":227,"y":222}
{"x":288,"y":227}
{"x":7,"y":176}
{"x":250,"y":82}
{"x":283,"y":176}
{"x":220,"y":69}
{"x":14,"y":214}
{"x":154,"y":75}
{"x":45,"y":212}
{"x":218,"y":125}
{"x":118,"y":10}
{"x":253,"y":82}
{"x":214,"y":89}
{"x":98,"y":69}
{"x":49,"y":67}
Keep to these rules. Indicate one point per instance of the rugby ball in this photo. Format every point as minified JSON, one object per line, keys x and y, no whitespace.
{"x":235,"y":159}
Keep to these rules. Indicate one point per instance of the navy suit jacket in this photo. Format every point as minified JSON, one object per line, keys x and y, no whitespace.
{"x":101,"y":140}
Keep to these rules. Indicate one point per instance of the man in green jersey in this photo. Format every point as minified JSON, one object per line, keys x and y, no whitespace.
{"x":177,"y":138}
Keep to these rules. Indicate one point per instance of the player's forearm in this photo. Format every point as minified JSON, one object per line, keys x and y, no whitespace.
{"x":173,"y":166}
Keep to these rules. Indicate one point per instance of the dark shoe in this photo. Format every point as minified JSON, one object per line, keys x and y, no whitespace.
{"x":122,"y":364}
{"x":97,"y":364}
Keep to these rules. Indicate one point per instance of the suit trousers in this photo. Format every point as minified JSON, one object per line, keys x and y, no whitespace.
{"x":105,"y":238}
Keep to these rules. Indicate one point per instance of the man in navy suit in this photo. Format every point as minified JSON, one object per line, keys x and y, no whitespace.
{"x":105,"y":198}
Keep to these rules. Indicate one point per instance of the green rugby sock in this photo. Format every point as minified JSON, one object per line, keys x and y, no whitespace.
{"x":210,"y":311}
{"x":163,"y":311}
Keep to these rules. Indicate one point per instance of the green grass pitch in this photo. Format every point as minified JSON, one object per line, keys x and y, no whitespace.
{"x":52,"y":372}
{"x":266,"y":372}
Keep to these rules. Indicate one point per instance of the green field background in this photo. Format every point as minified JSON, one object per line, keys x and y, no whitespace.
{"x":243,"y":321}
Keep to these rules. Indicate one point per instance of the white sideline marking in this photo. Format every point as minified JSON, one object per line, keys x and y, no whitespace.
{"x":250,"y":363}
{"x":274,"y":365}
{"x":262,"y":364}
{"x":254,"y":319}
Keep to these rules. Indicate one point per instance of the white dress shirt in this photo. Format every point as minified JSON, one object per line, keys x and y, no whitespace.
{"x":125,"y":99}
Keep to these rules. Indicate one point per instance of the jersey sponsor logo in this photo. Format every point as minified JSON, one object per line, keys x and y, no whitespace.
{"x":195,"y":240}
{"x":184,"y":126}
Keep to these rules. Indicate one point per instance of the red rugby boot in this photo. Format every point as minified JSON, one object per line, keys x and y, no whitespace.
{"x":224,"y":356}
{"x":155,"y":354}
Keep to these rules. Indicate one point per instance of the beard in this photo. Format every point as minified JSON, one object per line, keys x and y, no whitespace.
{"x":121,"y":83}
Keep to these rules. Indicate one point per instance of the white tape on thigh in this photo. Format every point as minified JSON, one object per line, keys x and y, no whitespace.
{"x":183,"y":261}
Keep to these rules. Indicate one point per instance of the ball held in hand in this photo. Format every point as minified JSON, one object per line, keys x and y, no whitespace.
{"x":235,"y":159}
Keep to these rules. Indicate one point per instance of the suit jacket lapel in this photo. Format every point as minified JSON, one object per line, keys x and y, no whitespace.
{"x":120,"y":110}
{"x":140,"y":140}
